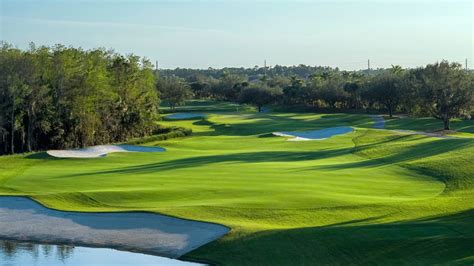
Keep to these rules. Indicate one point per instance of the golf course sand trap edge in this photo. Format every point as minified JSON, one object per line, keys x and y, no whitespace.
{"x":101,"y":151}
{"x":179,"y":116}
{"x":23,"y":219}
{"x":320,"y":134}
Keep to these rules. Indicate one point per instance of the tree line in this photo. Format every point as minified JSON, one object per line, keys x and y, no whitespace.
{"x":65,"y":97}
{"x":443,"y":90}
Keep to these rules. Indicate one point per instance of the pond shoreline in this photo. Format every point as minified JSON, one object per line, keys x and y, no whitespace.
{"x":134,"y":231}
{"x":14,"y":252}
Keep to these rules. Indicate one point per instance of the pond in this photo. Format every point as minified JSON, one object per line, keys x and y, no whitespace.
{"x":319,"y":134}
{"x":14,"y":253}
{"x":23,"y":219}
{"x":184,"y":116}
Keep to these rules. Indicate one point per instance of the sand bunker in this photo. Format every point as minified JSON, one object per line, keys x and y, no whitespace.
{"x":314,"y":134}
{"x":178,"y":116}
{"x":101,"y":151}
{"x":25,"y":220}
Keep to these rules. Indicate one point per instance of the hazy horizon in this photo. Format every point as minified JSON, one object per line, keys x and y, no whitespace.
{"x":202,"y":34}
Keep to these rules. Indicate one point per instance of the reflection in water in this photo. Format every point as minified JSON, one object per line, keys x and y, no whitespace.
{"x":13,"y":253}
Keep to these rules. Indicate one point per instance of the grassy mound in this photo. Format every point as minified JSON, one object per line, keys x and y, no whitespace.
{"x":369,"y":197}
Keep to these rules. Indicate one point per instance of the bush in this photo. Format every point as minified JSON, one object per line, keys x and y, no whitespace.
{"x":163,"y":133}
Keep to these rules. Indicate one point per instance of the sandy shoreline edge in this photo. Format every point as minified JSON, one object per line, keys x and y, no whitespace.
{"x":24,"y":219}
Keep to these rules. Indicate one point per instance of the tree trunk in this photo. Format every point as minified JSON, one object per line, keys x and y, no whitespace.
{"x":29,"y":136}
{"x":23,"y":139}
{"x":259,"y":108}
{"x":446,"y":123}
{"x":5,"y":140}
{"x":12,"y":137}
{"x":29,"y":132}
{"x":390,"y":113}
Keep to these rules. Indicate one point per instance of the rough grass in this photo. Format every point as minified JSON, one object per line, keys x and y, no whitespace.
{"x":367,"y":197}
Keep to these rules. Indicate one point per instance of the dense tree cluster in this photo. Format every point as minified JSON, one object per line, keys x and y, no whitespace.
{"x":174,"y":90}
{"x":259,"y":94}
{"x":444,"y":90}
{"x":63,"y":97}
{"x":257,"y":72}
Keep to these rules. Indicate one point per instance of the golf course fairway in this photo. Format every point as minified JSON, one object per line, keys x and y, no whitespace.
{"x":371,"y":196}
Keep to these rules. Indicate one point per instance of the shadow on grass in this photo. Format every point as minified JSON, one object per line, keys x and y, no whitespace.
{"x":421,"y":150}
{"x":41,"y":156}
{"x":441,"y":240}
{"x":248,"y":157}
{"x":267,"y":123}
{"x":416,"y":151}
{"x":429,"y":124}
{"x":266,"y":135}
{"x":203,"y":122}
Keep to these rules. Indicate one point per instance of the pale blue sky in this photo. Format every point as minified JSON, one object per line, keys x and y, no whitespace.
{"x":203,"y":34}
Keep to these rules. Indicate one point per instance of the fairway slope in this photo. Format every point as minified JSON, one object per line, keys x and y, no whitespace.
{"x":372,"y":196}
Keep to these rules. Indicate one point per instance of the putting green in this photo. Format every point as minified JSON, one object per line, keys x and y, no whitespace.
{"x":369,"y":196}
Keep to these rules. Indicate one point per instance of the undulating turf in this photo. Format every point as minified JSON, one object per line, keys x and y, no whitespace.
{"x":367,"y":197}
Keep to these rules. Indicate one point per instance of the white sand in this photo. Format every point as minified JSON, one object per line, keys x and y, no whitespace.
{"x":23,"y":219}
{"x":314,"y":134}
{"x":101,"y":151}
{"x":178,"y":116}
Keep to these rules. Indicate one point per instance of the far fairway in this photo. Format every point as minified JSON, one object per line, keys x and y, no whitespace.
{"x":371,"y":196}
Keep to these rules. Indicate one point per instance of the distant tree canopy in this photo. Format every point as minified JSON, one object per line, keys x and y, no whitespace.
{"x":259,"y":95}
{"x":63,"y":97}
{"x":386,"y":89}
{"x":174,"y":90}
{"x":442,"y":90}
{"x":259,"y":72}
{"x":447,"y":91}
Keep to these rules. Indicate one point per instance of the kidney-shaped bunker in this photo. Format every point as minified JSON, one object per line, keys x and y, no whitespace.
{"x":101,"y":151}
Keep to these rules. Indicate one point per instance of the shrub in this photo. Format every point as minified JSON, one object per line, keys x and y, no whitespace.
{"x":163,"y":133}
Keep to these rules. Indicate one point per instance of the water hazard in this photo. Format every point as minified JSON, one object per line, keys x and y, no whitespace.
{"x":13,"y":253}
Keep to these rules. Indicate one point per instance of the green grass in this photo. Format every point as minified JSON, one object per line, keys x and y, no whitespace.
{"x":367,"y":197}
{"x":464,"y":127}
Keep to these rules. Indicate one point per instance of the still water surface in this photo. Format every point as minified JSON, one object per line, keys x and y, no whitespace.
{"x":13,"y":253}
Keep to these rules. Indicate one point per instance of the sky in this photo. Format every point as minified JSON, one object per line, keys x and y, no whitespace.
{"x":232,"y":33}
